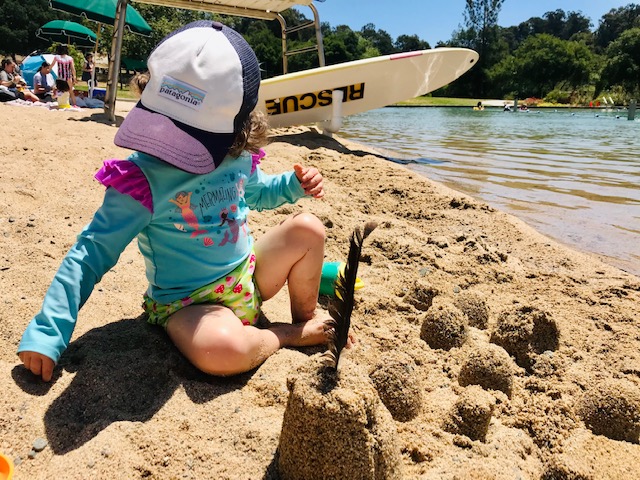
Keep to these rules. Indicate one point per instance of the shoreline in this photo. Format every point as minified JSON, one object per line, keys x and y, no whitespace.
{"x":124,"y":400}
{"x":593,"y":244}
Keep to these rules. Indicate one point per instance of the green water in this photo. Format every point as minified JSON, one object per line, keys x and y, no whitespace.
{"x":574,"y":175}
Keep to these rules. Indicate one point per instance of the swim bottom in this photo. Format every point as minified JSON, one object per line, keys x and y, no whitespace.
{"x":236,"y":291}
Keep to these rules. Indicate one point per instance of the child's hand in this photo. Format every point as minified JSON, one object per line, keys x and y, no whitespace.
{"x":310,"y":179}
{"x":38,"y":363}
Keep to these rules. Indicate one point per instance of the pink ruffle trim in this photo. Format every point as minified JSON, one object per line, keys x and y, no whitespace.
{"x":255,"y":159}
{"x":127,"y":178}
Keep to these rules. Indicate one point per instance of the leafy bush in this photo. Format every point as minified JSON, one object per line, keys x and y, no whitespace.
{"x":558,"y":96}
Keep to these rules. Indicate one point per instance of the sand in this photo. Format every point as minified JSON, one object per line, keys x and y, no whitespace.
{"x":501,"y":354}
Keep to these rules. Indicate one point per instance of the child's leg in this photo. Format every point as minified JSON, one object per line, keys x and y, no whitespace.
{"x":292,"y":252}
{"x":215,"y":340}
{"x":32,"y":97}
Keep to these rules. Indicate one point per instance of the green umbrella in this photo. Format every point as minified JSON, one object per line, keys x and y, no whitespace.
{"x":103,"y":11}
{"x":63,"y":31}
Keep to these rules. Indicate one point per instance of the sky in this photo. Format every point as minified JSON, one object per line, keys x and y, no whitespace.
{"x":435,"y":20}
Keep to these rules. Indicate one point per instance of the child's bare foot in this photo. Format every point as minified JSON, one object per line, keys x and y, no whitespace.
{"x":307,"y":333}
{"x":304,"y":334}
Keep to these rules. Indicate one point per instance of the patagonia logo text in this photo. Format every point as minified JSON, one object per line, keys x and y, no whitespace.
{"x":181,"y":92}
{"x":307,"y":101}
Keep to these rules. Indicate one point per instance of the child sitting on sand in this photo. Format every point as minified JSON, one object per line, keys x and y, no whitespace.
{"x":62,"y":93}
{"x":185,"y":194}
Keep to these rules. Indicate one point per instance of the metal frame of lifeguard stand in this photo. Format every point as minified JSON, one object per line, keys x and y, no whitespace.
{"x":270,"y":10}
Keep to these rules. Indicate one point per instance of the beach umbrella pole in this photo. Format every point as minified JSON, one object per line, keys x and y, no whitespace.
{"x":95,"y":55}
{"x":114,"y":61}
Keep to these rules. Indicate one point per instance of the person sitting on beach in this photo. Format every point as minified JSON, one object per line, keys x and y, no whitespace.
{"x":185,"y":194}
{"x":62,"y":93}
{"x":14,"y":83}
{"x":44,"y":86}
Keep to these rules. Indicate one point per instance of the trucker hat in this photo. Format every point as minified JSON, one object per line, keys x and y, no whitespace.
{"x":203,"y":85}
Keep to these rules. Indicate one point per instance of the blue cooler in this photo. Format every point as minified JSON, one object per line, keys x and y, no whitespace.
{"x":99,"y":93}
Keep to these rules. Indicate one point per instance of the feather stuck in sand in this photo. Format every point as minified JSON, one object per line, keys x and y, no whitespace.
{"x":342,"y":304}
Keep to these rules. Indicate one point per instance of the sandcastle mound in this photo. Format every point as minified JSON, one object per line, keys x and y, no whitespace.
{"x":336,"y":427}
{"x":490,"y":367}
{"x":475,"y":308}
{"x":525,"y":333}
{"x":398,"y":385}
{"x":612,"y":408}
{"x":444,"y":327}
{"x":421,"y":296}
{"x":471,"y":414}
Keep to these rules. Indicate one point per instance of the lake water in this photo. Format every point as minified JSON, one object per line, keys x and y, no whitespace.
{"x":574,"y":175}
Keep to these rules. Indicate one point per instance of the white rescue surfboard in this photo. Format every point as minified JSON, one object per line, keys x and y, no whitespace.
{"x":307,"y":97}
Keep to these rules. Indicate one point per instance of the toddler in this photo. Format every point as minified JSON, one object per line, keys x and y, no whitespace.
{"x":186,"y":193}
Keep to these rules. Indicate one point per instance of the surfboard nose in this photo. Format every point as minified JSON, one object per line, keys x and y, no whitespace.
{"x":308,"y":97}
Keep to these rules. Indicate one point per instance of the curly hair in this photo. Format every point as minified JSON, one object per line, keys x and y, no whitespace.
{"x":252,"y":137}
{"x":138,"y":82}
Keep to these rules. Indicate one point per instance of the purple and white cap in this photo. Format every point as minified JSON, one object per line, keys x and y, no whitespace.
{"x":204,"y":81}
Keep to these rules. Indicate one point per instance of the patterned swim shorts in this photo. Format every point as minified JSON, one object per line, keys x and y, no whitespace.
{"x":236,"y":291}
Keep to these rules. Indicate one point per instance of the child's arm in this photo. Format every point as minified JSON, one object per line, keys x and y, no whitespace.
{"x":115,"y":224}
{"x":310,"y":180}
{"x":263,"y":192}
{"x":270,"y":191}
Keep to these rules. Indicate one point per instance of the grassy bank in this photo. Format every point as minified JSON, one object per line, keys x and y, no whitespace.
{"x":428,"y":101}
{"x":441,"y":102}
{"x":123,"y":93}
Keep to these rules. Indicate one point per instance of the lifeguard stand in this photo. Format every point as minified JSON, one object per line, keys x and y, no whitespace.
{"x":262,"y":9}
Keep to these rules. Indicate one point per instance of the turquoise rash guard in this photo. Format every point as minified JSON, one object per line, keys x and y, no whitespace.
{"x":191,"y":229}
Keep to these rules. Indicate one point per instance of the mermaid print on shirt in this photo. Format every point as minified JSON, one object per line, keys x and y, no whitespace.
{"x":230,"y":219}
{"x":183,"y":201}
{"x":225,"y":201}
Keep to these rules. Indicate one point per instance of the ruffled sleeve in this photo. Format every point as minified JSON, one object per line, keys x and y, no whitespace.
{"x":255,"y":159}
{"x":127,"y":178}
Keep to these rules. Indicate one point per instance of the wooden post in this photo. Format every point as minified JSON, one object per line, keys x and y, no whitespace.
{"x":114,"y":61}
{"x":632,"y":110}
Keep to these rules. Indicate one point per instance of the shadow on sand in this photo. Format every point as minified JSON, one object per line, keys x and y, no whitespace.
{"x":99,"y":117}
{"x":125,"y":371}
{"x":314,"y":140}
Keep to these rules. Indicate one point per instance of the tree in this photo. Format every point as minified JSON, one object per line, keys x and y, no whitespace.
{"x":481,"y":16}
{"x":268,"y":49}
{"x":622,"y":66}
{"x":563,"y":25}
{"x":557,"y":23}
{"x":481,"y":35}
{"x":576,"y":24}
{"x":20,"y":21}
{"x":410,"y":43}
{"x":543,"y":62}
{"x":342,"y":45}
{"x":379,"y":39}
{"x":615,"y":22}
{"x":554,"y":23}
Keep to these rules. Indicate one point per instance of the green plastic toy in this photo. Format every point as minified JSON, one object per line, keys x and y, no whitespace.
{"x":330,"y":271}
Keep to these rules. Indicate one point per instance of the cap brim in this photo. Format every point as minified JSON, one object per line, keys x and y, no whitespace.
{"x":185,"y":147}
